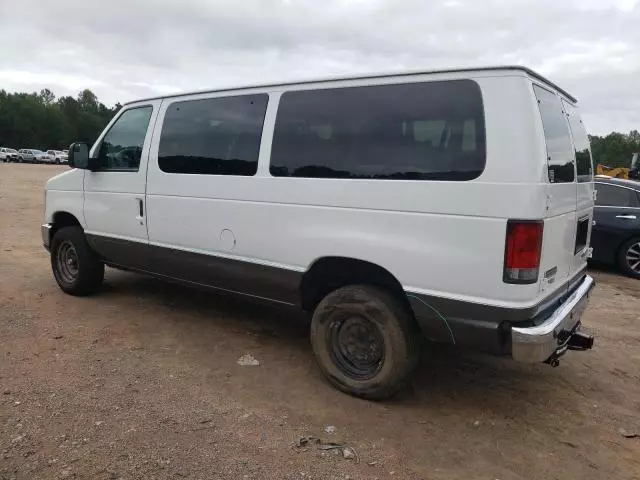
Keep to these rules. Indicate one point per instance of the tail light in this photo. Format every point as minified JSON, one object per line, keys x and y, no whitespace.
{"x":522,"y":251}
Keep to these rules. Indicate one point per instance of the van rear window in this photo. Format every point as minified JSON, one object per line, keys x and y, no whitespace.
{"x":560,"y":153}
{"x":412,"y":131}
{"x":584,"y":163}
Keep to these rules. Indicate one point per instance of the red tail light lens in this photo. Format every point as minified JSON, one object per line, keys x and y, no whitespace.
{"x":522,"y":251}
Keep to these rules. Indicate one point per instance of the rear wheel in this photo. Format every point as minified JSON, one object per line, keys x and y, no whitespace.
{"x":629,"y":257}
{"x":76,"y":267}
{"x":365,"y":341}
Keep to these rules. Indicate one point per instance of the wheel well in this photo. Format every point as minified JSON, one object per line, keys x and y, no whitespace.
{"x":330,"y":273}
{"x":623,"y":243}
{"x":63,"y":219}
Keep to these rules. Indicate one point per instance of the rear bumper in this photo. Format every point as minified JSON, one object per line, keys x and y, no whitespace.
{"x":532,"y":334}
{"x":552,"y":337}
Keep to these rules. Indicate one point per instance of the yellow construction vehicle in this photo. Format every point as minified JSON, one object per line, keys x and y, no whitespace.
{"x":632,"y":173}
{"x":617,"y":172}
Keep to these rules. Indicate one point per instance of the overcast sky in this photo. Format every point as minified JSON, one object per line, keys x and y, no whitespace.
{"x":123,"y":50}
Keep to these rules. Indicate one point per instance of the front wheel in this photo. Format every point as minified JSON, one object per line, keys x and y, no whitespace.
{"x":629,"y":257}
{"x":365,"y":341}
{"x":76,"y":267}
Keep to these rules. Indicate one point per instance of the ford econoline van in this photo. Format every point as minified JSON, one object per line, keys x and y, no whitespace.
{"x":454,"y":205}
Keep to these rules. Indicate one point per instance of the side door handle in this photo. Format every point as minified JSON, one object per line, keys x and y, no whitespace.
{"x":628,"y":217}
{"x":140,"y":216}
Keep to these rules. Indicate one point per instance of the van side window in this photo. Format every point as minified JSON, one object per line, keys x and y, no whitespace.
{"x":412,"y":131}
{"x":584,"y":164}
{"x":121,"y":147}
{"x":213,"y":136}
{"x":560,"y":153}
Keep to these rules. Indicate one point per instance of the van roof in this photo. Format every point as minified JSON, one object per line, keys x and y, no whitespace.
{"x":503,"y":68}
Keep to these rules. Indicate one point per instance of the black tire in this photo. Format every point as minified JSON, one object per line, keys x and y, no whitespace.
{"x":627,"y":255}
{"x":366,"y":341}
{"x":76,"y":267}
{"x":20,"y":160}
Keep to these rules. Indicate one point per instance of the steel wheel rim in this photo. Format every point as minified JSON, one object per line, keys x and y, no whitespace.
{"x":633,"y":257}
{"x":67,"y":262}
{"x":357,"y":346}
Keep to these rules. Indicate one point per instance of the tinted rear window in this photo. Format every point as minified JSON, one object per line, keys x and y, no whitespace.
{"x":560,"y":153}
{"x":414,"y":131}
{"x":213,"y":136}
{"x":584,"y":164}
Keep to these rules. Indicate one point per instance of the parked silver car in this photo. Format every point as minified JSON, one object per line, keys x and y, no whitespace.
{"x":58,"y":156}
{"x":8,"y":154}
{"x":31,"y":155}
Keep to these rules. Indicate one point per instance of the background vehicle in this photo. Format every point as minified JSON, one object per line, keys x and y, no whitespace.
{"x":58,"y":156}
{"x":615,"y":235}
{"x":30,"y":155}
{"x":8,"y":154}
{"x":628,"y":173}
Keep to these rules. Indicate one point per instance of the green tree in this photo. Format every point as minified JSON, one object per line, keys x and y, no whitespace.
{"x":47,"y":96}
{"x":38,"y":120}
{"x":615,"y":149}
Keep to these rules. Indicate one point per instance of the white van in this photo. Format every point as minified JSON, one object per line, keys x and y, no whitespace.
{"x":457,"y":204}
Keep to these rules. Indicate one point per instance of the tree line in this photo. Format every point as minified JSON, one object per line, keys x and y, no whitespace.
{"x":615,"y":149}
{"x":40,"y":121}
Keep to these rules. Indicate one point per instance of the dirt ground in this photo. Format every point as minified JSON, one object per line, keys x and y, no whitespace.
{"x":141,"y":382}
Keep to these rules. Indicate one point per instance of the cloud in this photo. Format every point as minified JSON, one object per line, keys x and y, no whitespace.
{"x":128,"y":49}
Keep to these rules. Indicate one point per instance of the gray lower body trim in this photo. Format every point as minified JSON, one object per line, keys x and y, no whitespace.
{"x":229,"y":275}
{"x":45,"y":231}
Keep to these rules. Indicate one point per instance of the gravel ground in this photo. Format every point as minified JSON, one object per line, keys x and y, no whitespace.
{"x":142,"y":381}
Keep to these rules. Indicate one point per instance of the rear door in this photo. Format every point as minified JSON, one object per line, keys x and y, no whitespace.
{"x":558,"y":244}
{"x":584,"y":178}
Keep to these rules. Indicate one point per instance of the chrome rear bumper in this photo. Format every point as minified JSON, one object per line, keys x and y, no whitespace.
{"x":551,"y":338}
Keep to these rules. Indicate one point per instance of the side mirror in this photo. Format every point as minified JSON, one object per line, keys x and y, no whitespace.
{"x":79,"y":155}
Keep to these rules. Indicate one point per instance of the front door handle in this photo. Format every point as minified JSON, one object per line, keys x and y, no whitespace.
{"x":140,"y":216}
{"x":628,"y":217}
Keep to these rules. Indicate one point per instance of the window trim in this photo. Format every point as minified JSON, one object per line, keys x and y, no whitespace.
{"x":95,"y":150}
{"x":302,"y":87}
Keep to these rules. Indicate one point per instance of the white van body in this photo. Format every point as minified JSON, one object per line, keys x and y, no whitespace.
{"x":437,"y":239}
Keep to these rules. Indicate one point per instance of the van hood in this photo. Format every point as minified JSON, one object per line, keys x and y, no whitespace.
{"x":71,"y":180}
